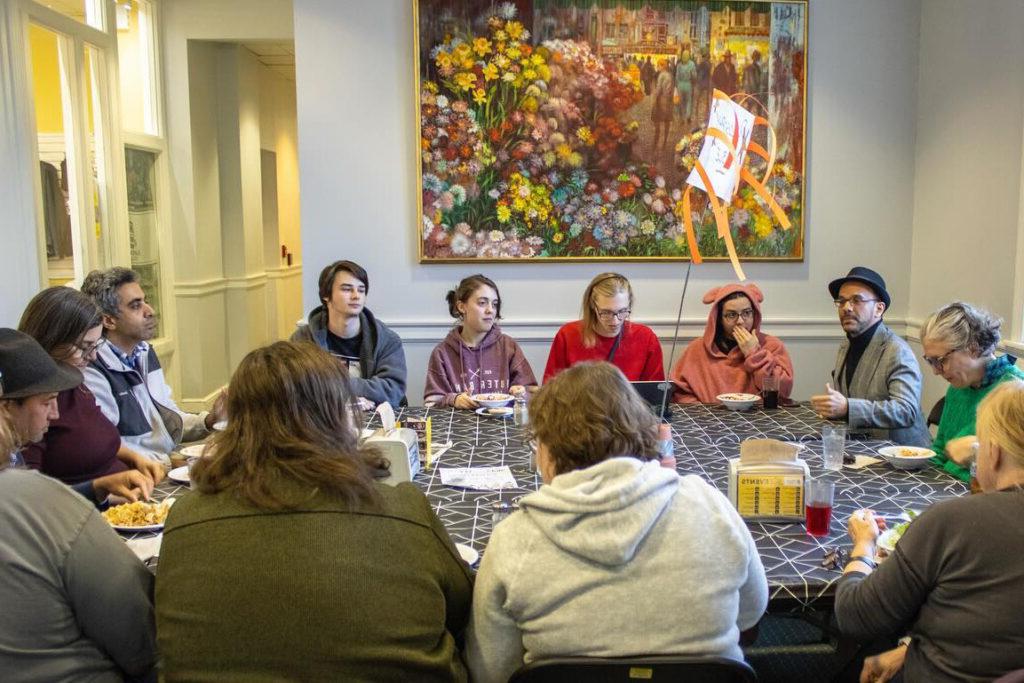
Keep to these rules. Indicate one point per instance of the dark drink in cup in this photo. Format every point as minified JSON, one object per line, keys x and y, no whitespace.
{"x":819,"y":519}
{"x":770,"y":392}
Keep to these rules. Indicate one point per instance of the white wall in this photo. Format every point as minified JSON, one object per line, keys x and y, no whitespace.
{"x":357,"y":154}
{"x":968,"y":163}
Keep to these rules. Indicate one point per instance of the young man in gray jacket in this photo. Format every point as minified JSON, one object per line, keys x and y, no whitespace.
{"x":344,"y":327}
{"x":876,"y":383}
{"x":126,"y":377}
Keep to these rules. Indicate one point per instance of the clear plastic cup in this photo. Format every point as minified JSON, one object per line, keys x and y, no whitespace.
{"x":833,"y":446}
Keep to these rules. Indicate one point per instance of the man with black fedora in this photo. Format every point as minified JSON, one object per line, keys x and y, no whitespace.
{"x":876,"y":383}
{"x":31,"y":382}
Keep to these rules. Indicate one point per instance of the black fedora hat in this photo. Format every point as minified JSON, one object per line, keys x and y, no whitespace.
{"x":28,"y":370}
{"x":865,"y":276}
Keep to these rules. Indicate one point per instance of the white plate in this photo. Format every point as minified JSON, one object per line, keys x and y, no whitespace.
{"x":886,"y":540}
{"x":483,"y":411}
{"x":180,"y":475}
{"x":738,"y":401}
{"x":193,"y":451}
{"x":493,"y":400}
{"x":137,"y":529}
{"x":904,"y":462}
{"x":469,"y":556}
{"x":220,"y":426}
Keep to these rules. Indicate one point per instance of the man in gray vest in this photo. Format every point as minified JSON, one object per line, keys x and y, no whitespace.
{"x":876,"y":383}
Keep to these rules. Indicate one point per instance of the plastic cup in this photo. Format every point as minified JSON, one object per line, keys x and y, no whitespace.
{"x":833,"y":446}
{"x":770,"y":392}
{"x":820,"y":497}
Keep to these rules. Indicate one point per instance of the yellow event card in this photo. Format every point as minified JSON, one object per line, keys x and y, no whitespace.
{"x":770,"y":495}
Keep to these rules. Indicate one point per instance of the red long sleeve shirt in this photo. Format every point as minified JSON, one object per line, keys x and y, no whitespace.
{"x":639,"y":354}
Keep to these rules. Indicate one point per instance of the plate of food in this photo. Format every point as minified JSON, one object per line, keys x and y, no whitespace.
{"x":906,"y":457}
{"x":738,"y":401}
{"x":468,"y":555}
{"x":492,"y":400}
{"x":196,"y":450}
{"x":138,"y":516}
{"x":180,"y":475}
{"x":888,"y":539}
{"x":494,"y":412}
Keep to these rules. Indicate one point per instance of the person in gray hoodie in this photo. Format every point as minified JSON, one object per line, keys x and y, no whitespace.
{"x":614,"y":555}
{"x":476,"y":356}
{"x":345,"y":328}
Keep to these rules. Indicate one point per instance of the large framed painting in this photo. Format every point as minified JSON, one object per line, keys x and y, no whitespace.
{"x":557,"y":130}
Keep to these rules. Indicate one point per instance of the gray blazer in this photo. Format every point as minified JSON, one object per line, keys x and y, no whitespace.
{"x":885,"y":394}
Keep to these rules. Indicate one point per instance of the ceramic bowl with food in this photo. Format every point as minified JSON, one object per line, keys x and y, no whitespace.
{"x":492,"y":400}
{"x":906,"y":457}
{"x":738,"y":401}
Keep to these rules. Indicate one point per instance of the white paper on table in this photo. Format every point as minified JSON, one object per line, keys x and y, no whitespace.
{"x":145,"y":547}
{"x":863,"y":461}
{"x":387,"y":417}
{"x":722,"y":167}
{"x":482,"y":478}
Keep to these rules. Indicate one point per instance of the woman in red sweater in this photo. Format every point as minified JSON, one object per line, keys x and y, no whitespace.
{"x":81,"y":444}
{"x":606,"y":333}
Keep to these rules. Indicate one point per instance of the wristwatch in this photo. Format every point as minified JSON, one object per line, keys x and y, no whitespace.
{"x":862,"y":558}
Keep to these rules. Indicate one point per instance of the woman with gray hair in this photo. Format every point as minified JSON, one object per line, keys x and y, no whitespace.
{"x":959,"y":342}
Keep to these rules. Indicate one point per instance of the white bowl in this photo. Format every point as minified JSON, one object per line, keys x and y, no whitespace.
{"x":738,"y":401}
{"x":196,"y":450}
{"x":906,"y":457}
{"x":494,"y":400}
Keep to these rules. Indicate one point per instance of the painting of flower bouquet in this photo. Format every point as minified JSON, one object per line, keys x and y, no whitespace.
{"x":565,"y":129}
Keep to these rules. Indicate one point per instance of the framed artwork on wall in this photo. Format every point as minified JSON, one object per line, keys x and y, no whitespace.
{"x":556,"y":130}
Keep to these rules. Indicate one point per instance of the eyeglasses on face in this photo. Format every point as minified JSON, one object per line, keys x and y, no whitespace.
{"x":88,"y":349}
{"x":939,"y":362}
{"x":607,"y":316}
{"x":855,"y":300}
{"x":731,"y":316}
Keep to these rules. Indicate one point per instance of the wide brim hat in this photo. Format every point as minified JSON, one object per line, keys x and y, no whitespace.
{"x":865,"y":276}
{"x":28,"y":370}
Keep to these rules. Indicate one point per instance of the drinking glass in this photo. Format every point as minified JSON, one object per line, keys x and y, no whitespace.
{"x":770,"y":392}
{"x":820,"y":496}
{"x":833,"y":444}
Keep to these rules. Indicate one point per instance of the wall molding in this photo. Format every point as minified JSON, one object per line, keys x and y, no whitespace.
{"x":251,"y":281}
{"x":196,"y":405}
{"x":284,"y":272}
{"x":197,"y":289}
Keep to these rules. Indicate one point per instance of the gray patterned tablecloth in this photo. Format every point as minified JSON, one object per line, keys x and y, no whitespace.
{"x":705,"y":437}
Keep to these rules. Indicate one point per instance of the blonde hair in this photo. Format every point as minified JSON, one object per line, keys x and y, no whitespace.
{"x":1001,"y":419}
{"x":605,"y":284}
{"x":589,"y":413}
{"x":964,"y":328}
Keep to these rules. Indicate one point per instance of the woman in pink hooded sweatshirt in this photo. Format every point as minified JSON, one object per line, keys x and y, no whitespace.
{"x":733,"y":356}
{"x":476,"y":356}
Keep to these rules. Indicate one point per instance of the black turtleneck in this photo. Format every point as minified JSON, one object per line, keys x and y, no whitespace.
{"x":857,"y":346}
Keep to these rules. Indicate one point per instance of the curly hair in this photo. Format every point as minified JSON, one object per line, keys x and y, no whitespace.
{"x":963,"y":327}
{"x":589,"y":413}
{"x":102,"y":286}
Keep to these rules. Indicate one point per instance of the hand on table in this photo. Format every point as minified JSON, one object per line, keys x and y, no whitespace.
{"x":963,"y":450}
{"x":151,"y":468}
{"x":219,"y":411}
{"x":830,"y":405}
{"x":517,"y":390}
{"x":131,"y":485}
{"x":883,"y":667}
{"x":464,"y":402}
{"x":745,"y":340}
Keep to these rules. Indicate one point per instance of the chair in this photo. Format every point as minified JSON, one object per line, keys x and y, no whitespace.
{"x":682,"y":668}
{"x":936,"y":412}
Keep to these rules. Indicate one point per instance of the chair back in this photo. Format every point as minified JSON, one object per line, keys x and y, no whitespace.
{"x":681,"y":668}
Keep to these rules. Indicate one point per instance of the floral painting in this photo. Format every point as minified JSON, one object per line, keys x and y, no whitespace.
{"x":565,"y":129}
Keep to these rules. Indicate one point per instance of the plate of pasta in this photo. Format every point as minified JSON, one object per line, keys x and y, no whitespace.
{"x":138,"y":516}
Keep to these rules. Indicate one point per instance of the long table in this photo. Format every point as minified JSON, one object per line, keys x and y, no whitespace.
{"x":705,"y":438}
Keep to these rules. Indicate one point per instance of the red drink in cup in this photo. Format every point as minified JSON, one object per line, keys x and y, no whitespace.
{"x":820,"y":496}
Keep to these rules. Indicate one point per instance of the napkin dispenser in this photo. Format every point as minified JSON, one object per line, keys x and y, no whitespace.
{"x":767,"y":481}
{"x":401,"y":449}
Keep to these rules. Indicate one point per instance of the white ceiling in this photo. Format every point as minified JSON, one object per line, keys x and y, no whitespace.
{"x":278,"y":57}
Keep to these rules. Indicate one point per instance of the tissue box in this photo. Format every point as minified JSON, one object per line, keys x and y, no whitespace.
{"x":766,"y":482}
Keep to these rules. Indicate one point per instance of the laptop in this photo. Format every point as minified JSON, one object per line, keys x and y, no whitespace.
{"x":653,"y":393}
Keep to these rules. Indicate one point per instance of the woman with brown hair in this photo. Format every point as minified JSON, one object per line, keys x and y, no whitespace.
{"x":611,"y":527}
{"x":605,"y":332}
{"x":290,"y":560}
{"x":81,"y":445}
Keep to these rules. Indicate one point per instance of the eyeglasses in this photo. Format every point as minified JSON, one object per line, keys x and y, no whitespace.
{"x":89,"y":349}
{"x":855,"y":300}
{"x":939,"y":362}
{"x":731,"y":316}
{"x":607,"y":316}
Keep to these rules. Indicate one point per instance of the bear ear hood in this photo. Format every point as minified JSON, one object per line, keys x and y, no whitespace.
{"x":714,"y":297}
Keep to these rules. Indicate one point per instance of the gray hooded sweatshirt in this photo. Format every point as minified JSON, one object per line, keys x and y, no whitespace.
{"x":622,"y":558}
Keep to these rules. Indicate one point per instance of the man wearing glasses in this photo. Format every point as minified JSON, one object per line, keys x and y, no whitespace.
{"x":876,"y":383}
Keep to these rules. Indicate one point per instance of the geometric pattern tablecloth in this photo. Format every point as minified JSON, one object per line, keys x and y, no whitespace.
{"x":705,"y":438}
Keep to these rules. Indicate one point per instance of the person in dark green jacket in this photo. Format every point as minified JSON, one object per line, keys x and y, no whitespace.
{"x":959,"y":342}
{"x":289,"y":561}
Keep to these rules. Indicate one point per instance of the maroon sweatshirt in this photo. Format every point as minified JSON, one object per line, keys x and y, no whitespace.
{"x":496,"y":364}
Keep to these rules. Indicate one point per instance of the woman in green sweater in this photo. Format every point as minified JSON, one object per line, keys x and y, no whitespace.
{"x":289,"y":562}
{"x":959,"y":342}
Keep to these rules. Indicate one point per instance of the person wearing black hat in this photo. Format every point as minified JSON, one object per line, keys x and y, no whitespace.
{"x":31,"y":382}
{"x":876,"y":383}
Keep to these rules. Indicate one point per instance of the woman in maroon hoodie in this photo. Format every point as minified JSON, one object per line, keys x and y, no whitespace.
{"x":734,"y":355}
{"x":476,"y":356}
